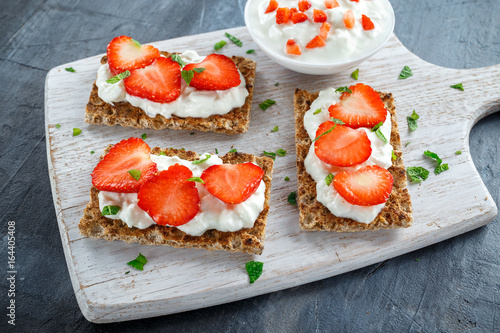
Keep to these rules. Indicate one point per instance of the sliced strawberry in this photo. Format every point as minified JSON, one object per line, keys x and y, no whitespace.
{"x":304,"y":5}
{"x":124,"y":54}
{"x":355,"y":0}
{"x":324,"y":30}
{"x":343,"y":146}
{"x":292,"y":47}
{"x":349,"y":19}
{"x":298,"y":17}
{"x":367,"y":23}
{"x":169,"y":198}
{"x":283,"y":15}
{"x":319,"y":16}
{"x":220,"y":73}
{"x":316,"y":42}
{"x":159,"y":82}
{"x":368,"y":186}
{"x":112,"y":172}
{"x":331,"y":4}
{"x":232,"y":183}
{"x":361,"y":108}
{"x":273,"y":4}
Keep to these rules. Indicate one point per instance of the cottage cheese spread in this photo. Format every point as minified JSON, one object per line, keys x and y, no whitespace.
{"x":213,"y":214}
{"x":327,"y":195}
{"x":191,"y":103}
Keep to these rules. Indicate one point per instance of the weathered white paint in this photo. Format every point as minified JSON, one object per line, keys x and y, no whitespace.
{"x":176,"y":280}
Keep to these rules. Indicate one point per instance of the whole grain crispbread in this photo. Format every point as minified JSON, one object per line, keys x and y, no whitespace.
{"x":250,"y":240}
{"x":124,"y":114}
{"x":397,"y":212}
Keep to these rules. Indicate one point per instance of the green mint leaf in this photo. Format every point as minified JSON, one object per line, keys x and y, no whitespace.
{"x":441,"y":168}
{"x":281,"y":152}
{"x":192,"y":133}
{"x":376,"y":127}
{"x":203,"y":160}
{"x":434,"y":156}
{"x":405,"y":73}
{"x":458,"y":152}
{"x":414,"y":115}
{"x":355,"y":74}
{"x":234,"y":39}
{"x":216,"y":151}
{"x":317,"y":111}
{"x":343,"y":90}
{"x":254,"y":270}
{"x":458,"y":86}
{"x":329,"y":179}
{"x":292,"y":198}
{"x":196,"y":179}
{"x":136,"y":174}
{"x":139,"y":262}
{"x":187,"y":76}
{"x":417,"y":260}
{"x":177,"y":58}
{"x":267,"y":103}
{"x":119,"y":77}
{"x":394,"y":157}
{"x":110,"y":210}
{"x":144,"y":136}
{"x":337,"y":121}
{"x":406,"y":145}
{"x":163,"y":153}
{"x":275,"y":129}
{"x":136,"y":43}
{"x":381,"y":135}
{"x":199,"y":69}
{"x":325,"y":132}
{"x":412,"y":123}
{"x":127,"y":272}
{"x":58,"y":126}
{"x":70,"y":69}
{"x":233,"y":150}
{"x":287,"y":178}
{"x":250,"y":51}
{"x":277,"y":84}
{"x":417,"y":174}
{"x":76,"y":131}
{"x":219,"y":45}
{"x":269,"y":154}
{"x":92,"y":152}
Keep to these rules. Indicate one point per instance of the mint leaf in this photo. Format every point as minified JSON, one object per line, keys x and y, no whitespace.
{"x":381,"y":136}
{"x":458,"y":86}
{"x":325,"y":132}
{"x":136,"y":174}
{"x":287,"y":178}
{"x":136,"y":43}
{"x":177,"y":58}
{"x":337,"y":121}
{"x":275,"y":129}
{"x":317,"y":111}
{"x":277,"y":84}
{"x":281,"y":152}
{"x":355,"y":74}
{"x":203,"y":160}
{"x":434,"y":156}
{"x":192,"y":133}
{"x":110,"y":210}
{"x":219,"y":45}
{"x":329,"y":179}
{"x":269,"y":154}
{"x":139,"y":262}
{"x":376,"y":127}
{"x":343,"y":90}
{"x":163,"y":154}
{"x":70,"y":69}
{"x":76,"y":131}
{"x":406,"y":145}
{"x":412,"y":121}
{"x":254,"y":270}
{"x":417,"y":174}
{"x":234,"y":39}
{"x":199,"y":69}
{"x":267,"y":103}
{"x":458,"y":152}
{"x":233,"y":150}
{"x":58,"y":126}
{"x":216,"y":151}
{"x":250,"y":51}
{"x":292,"y":198}
{"x":394,"y":157}
{"x":405,"y":73}
{"x":414,"y":115}
{"x":144,"y":136}
{"x":92,"y":152}
{"x":187,"y":76}
{"x":196,"y":179}
{"x":119,"y":77}
{"x":441,"y":168}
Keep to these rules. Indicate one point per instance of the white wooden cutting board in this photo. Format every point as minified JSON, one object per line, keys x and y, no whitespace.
{"x":176,"y":280}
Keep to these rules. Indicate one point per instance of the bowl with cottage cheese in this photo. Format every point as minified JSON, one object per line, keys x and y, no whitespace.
{"x":319,"y":37}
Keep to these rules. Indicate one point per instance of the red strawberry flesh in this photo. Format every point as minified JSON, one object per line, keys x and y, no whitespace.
{"x":124,"y":54}
{"x":220,"y":73}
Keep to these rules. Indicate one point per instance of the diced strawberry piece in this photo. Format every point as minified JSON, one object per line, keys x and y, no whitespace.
{"x":368,"y":186}
{"x":169,"y":198}
{"x":299,"y":17}
{"x":355,"y":0}
{"x":367,"y":23}
{"x":283,"y":15}
{"x":112,"y":172}
{"x":316,"y":42}
{"x":273,"y":4}
{"x":324,"y":30}
{"x":361,"y":108}
{"x":319,"y":16}
{"x":124,"y":54}
{"x":220,"y":73}
{"x":292,"y":47}
{"x":293,"y":11}
{"x":304,"y":5}
{"x":159,"y":82}
{"x":331,"y":4}
{"x":349,"y":19}
{"x":232,"y":183}
{"x":343,"y":146}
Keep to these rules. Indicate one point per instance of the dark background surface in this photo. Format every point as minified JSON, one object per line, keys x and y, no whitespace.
{"x":454,"y":286}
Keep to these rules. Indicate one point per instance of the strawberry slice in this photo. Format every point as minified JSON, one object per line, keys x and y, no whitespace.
{"x":283,"y":15}
{"x":331,"y":4}
{"x":159,"y":82}
{"x":273,"y":4}
{"x":324,"y":30}
{"x":361,"y":108}
{"x":298,"y":17}
{"x":169,"y":198}
{"x":368,"y":186}
{"x":319,"y":16}
{"x":304,"y":5}
{"x":367,"y":23}
{"x":292,"y":47}
{"x":349,"y":19}
{"x":220,"y":73}
{"x":317,"y":41}
{"x":343,"y":146}
{"x":232,"y":183}
{"x":125,"y":54}
{"x":112,"y":172}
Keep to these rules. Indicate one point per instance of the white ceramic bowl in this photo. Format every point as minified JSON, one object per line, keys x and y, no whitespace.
{"x":324,"y":68}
